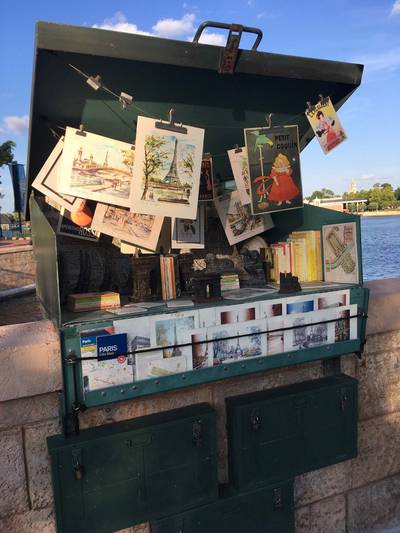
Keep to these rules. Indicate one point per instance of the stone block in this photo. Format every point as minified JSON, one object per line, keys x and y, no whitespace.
{"x":30,"y":360}
{"x":325,"y":516}
{"x":28,"y":410}
{"x":320,"y":484}
{"x":30,"y":522}
{"x":384,"y":298}
{"x":13,"y":493}
{"x":378,"y":455}
{"x":38,"y":462}
{"x":380,"y":342}
{"x":146,"y":406}
{"x":379,"y":386}
{"x":375,"y":508}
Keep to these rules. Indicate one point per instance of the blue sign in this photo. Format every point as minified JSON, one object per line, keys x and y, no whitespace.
{"x":111,"y":346}
{"x":18,"y":179}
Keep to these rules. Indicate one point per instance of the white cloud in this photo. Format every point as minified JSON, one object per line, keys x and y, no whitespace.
{"x":396,"y":8}
{"x":387,"y":60}
{"x":261,"y":15}
{"x":367,"y":177}
{"x":16,"y":125}
{"x":173,"y":28}
{"x":212,"y":38}
{"x":119,"y":22}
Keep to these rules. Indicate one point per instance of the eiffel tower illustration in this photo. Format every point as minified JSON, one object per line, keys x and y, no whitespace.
{"x":176,"y":351}
{"x":172,"y":177}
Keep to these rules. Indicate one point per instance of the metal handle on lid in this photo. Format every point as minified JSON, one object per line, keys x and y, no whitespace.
{"x":231,"y":27}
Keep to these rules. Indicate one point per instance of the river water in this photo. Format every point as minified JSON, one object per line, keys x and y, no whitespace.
{"x":380,"y":237}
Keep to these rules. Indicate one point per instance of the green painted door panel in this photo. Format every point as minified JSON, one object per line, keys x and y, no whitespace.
{"x":280,"y":433}
{"x":111,"y":477}
{"x":267,"y":510}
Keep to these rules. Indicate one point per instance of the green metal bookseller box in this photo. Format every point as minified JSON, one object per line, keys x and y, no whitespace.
{"x":111,"y":477}
{"x":280,"y":433}
{"x":267,"y":510}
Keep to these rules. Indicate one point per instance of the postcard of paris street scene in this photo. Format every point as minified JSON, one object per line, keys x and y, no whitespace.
{"x":96,"y":167}
{"x":274,"y":168}
{"x":167,"y":170}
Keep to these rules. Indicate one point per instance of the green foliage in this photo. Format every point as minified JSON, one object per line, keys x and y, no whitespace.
{"x":6,"y":153}
{"x":397,"y":193}
{"x":154,"y":158}
{"x":323,"y":193}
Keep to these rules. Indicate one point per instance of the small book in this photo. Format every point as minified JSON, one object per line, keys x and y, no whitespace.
{"x":92,"y":301}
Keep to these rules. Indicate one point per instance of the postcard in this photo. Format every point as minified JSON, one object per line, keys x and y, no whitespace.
{"x":272,"y":308}
{"x":225,"y":343}
{"x":170,"y":331}
{"x":69,"y":228}
{"x":239,"y":163}
{"x":142,"y":230}
{"x":143,"y":362}
{"x":275,"y":336}
{"x":102,"y":374}
{"x":96,"y":167}
{"x":207,"y":317}
{"x":327,"y":300}
{"x":236,"y":313}
{"x":206,"y":190}
{"x":154,"y":366}
{"x":346,"y":328}
{"x":202,"y":355}
{"x":47,"y":180}
{"x":246,"y":292}
{"x":187,"y":233}
{"x":309,"y":329}
{"x":238,"y":222}
{"x":326,"y":125}
{"x":301,"y":304}
{"x":274,"y":168}
{"x":339,"y":243}
{"x":254,"y":344}
{"x":167,"y":170}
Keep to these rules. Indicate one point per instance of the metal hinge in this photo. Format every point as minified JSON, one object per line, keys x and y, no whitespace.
{"x":277,"y":500}
{"x":255,"y":420}
{"x":197,"y":434}
{"x":77,"y":463}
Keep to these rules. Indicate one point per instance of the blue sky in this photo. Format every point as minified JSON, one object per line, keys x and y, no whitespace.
{"x":365,"y":31}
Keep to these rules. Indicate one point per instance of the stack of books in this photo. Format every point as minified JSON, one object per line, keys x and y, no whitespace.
{"x":168,"y":282}
{"x":300,"y":255}
{"x":91,"y":301}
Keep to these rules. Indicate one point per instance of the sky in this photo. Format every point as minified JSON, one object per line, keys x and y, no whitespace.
{"x":360,"y":31}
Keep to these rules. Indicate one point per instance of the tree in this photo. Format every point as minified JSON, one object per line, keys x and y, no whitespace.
{"x":154,"y":158}
{"x":387,"y":186}
{"x":323,"y":193}
{"x":6,"y":157}
{"x":187,"y":164}
{"x":376,"y":185}
{"x":397,"y":193}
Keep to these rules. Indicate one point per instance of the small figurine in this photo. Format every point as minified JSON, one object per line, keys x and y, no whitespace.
{"x":186,"y":272}
{"x":146,"y":278}
{"x":207,"y":287}
{"x":288,"y":283}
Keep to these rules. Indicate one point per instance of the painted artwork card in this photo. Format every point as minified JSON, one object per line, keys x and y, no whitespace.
{"x":167,"y":170}
{"x":233,"y":314}
{"x":339,"y":243}
{"x":154,"y":366}
{"x":96,"y":167}
{"x":144,"y":362}
{"x":274,"y":168}
{"x":240,"y":169}
{"x":302,"y":305}
{"x":275,"y":335}
{"x":225,"y":343}
{"x":187,"y":233}
{"x":272,"y":308}
{"x":328,"y":300}
{"x":206,"y":190}
{"x":138,"y":330}
{"x":103,"y":374}
{"x":47,"y":181}
{"x":135,"y":228}
{"x":254,"y":343}
{"x":326,"y":125}
{"x":237,"y":220}
{"x":170,"y":331}
{"x":309,"y":330}
{"x":207,"y":317}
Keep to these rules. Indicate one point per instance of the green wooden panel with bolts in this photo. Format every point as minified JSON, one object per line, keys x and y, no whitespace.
{"x":284,"y":432}
{"x":111,"y":477}
{"x":267,"y":510}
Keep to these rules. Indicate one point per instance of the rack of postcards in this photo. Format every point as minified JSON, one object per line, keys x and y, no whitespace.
{"x":180,"y":258}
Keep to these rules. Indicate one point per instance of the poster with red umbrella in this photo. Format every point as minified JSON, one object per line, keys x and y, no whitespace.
{"x":274,"y":168}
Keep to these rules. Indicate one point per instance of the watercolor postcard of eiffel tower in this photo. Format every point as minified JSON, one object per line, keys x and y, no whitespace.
{"x":166,"y":172}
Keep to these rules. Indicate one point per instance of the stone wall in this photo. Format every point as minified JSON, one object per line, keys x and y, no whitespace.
{"x":357,"y":496}
{"x":17,"y":267}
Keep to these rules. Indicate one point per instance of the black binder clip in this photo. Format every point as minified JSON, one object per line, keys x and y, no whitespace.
{"x":322,"y":99}
{"x":170,"y":125}
{"x":237,"y":149}
{"x":81,"y":131}
{"x":309,"y":107}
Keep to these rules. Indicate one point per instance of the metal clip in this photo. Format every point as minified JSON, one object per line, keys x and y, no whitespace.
{"x":81,"y":131}
{"x":197,"y":434}
{"x":255,"y":421}
{"x":277,"y":501}
{"x":170,"y":125}
{"x":227,"y":62}
{"x":237,"y":149}
{"x":77,"y":464}
{"x":309,"y":107}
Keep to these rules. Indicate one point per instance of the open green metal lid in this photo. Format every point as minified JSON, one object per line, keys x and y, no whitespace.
{"x":161,"y":74}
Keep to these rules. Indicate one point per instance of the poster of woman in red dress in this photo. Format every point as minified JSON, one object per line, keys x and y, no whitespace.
{"x":274,"y":168}
{"x":326,"y":124}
